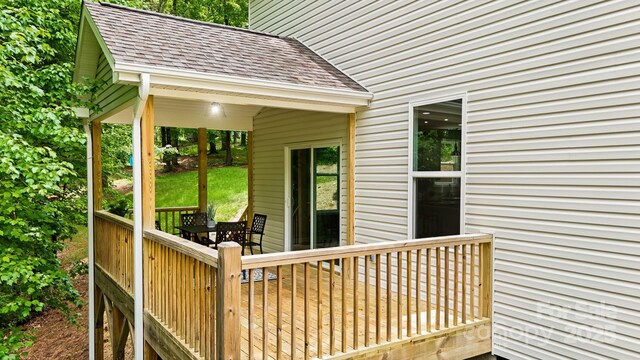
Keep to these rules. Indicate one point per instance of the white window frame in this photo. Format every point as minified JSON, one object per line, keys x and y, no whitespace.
{"x":413,"y":175}
{"x":287,"y":185}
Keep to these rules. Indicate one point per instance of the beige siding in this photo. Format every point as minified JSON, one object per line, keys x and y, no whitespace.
{"x":273,"y":130}
{"x":110,"y":97}
{"x":553,"y":146}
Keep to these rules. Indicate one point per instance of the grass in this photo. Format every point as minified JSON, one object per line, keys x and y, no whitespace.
{"x":238,"y":153}
{"x":227,"y":188}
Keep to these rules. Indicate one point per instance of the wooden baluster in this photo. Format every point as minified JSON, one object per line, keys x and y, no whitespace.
{"x":279,"y":312}
{"x":418,"y":273}
{"x":319,"y":295}
{"x":409,"y":286}
{"x":265,"y":311}
{"x":388,"y":297}
{"x":203,"y":308}
{"x":332,"y":315}
{"x":464,"y":284}
{"x":456,"y":274}
{"x":251,"y":310}
{"x":307,"y":302}
{"x":197,"y":301}
{"x":293,"y":310}
{"x":378,"y":298}
{"x":367,"y":265}
{"x":428,"y":285}
{"x":214,"y":310}
{"x":356,"y":270}
{"x":438,"y":287}
{"x":472,"y":287}
{"x":343,"y":275}
{"x":200,"y":307}
{"x":446,"y":286}
{"x":399,"y":319}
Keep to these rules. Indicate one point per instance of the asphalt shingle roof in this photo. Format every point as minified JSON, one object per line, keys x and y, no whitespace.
{"x":146,"y":38}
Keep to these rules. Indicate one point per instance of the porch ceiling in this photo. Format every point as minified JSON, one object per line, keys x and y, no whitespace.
{"x":185,"y":113}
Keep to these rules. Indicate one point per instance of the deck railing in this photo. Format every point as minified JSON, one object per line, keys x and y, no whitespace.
{"x":169,"y":217}
{"x":180,"y":289}
{"x":114,"y":247}
{"x":364,"y":297}
{"x":357,"y":300}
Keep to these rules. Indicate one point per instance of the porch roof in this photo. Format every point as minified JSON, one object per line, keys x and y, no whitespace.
{"x":185,"y":56}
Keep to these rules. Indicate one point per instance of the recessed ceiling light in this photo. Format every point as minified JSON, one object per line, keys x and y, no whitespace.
{"x":425,"y":113}
{"x":446,"y":119}
{"x":426,"y":122}
{"x":215,"y":107}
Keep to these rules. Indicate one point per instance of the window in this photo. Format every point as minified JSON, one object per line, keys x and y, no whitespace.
{"x":436,"y":175}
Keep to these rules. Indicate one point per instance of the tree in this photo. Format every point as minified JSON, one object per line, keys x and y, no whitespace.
{"x":42,"y":161}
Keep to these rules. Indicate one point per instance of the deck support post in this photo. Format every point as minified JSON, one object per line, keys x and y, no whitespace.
{"x":351,"y":190}
{"x":148,"y":166}
{"x":98,"y":324}
{"x":96,"y":144}
{"x":143,"y":200}
{"x":249,"y":175}
{"x":202,"y":169}
{"x":486,"y":279}
{"x":93,"y":132}
{"x":228,"y":301}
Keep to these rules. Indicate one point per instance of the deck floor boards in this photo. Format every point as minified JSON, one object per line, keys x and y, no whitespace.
{"x":313,"y":309}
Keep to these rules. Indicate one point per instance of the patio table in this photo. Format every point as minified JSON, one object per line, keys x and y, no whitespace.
{"x":197,"y":229}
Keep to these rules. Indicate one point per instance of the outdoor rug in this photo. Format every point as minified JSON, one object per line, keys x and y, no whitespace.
{"x":257,"y":276}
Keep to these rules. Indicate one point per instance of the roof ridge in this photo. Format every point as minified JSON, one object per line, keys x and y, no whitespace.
{"x":179,"y":18}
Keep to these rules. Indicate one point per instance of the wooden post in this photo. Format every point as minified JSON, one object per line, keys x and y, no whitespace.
{"x":96,"y":141}
{"x":249,"y":175}
{"x":148,"y":166}
{"x":202,"y":169}
{"x":99,"y":324}
{"x":228,"y":301}
{"x":351,"y":177}
{"x":486,"y":278}
{"x":351,"y":188}
{"x":149,"y":352}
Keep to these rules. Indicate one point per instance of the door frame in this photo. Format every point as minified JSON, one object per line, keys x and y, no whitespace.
{"x":287,"y":185}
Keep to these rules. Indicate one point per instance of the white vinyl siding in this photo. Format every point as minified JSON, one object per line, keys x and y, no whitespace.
{"x":273,"y":130}
{"x":553,"y":146}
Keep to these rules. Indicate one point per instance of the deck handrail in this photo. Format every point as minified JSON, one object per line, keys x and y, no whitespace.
{"x":187,"y":247}
{"x":295,"y":257}
{"x":122,"y":221}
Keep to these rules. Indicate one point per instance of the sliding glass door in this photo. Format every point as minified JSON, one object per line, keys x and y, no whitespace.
{"x":314,"y":198}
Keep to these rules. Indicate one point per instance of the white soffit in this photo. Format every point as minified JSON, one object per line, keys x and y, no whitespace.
{"x":194,"y":114}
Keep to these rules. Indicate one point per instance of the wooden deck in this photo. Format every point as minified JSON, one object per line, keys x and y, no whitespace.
{"x":412,"y":300}
{"x":376,"y":321}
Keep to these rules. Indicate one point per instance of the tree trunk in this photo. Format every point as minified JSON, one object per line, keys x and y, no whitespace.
{"x":223,"y":140}
{"x":243,"y":138}
{"x":212,"y":148}
{"x":229,"y":159}
{"x":173,"y":138}
{"x":235,"y":138}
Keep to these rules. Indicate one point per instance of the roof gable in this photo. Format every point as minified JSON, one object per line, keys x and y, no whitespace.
{"x":136,"y":37}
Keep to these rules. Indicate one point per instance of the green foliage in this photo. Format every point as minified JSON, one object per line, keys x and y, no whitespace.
{"x":228,"y":12}
{"x":41,"y":161}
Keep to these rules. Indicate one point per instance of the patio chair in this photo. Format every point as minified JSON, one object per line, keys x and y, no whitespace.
{"x":193,"y":219}
{"x":257,"y":228}
{"x":158,"y":226}
{"x":231,"y":231}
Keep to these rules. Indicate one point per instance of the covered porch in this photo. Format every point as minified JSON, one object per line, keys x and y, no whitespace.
{"x":178,"y":299}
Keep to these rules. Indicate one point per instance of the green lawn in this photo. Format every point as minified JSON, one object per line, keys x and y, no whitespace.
{"x":227,"y":188}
